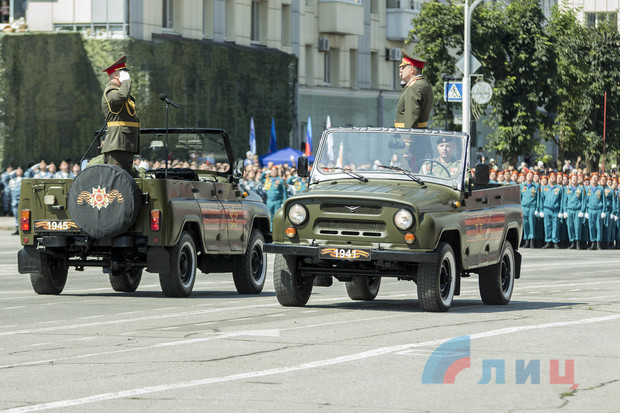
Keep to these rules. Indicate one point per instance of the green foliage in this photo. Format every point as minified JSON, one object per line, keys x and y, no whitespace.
{"x":53,"y":83}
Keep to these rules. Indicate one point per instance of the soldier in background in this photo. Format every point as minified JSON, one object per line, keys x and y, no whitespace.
{"x":607,"y":213}
{"x":529,"y":200}
{"x":275,"y":188}
{"x":15,"y":186}
{"x":595,"y":204}
{"x":574,"y":204}
{"x":416,"y":99}
{"x":6,"y":193}
{"x":551,"y":206}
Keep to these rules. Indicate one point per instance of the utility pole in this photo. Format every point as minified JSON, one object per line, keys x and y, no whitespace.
{"x":467,"y":65}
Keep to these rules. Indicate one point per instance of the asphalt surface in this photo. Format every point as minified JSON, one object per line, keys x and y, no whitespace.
{"x":91,"y":349}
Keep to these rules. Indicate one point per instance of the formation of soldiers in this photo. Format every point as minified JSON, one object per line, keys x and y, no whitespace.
{"x":569,"y":211}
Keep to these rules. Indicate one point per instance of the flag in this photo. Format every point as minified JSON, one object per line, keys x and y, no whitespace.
{"x":330,"y":141}
{"x":340,"y":155}
{"x":252,"y":137}
{"x":273,"y":147}
{"x":308,"y":150}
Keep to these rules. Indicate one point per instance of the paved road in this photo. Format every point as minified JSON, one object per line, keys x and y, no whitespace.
{"x":91,"y":349}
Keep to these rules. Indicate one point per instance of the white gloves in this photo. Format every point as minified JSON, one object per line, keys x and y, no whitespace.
{"x":124,"y":75}
{"x":587,"y":217}
{"x":612,"y":216}
{"x":603,"y":215}
{"x":565,"y":215}
{"x":143,"y":165}
{"x":616,"y":218}
{"x":580,"y":215}
{"x":536,"y":213}
{"x":560,"y":215}
{"x":542,"y":214}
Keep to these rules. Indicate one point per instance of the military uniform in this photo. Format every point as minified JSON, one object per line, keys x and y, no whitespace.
{"x":595,"y":203}
{"x":15,"y":185}
{"x":123,"y":127}
{"x":416,"y":99}
{"x":529,"y":200}
{"x":574,"y":205}
{"x":607,"y":222}
{"x":275,"y":189}
{"x":551,"y":206}
{"x":295,"y":185}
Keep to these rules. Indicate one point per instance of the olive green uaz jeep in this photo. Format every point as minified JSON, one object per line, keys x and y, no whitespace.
{"x":397,"y":203}
{"x":187,"y":212}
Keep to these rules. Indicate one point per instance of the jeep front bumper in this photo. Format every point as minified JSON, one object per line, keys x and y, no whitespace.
{"x":375,"y":254}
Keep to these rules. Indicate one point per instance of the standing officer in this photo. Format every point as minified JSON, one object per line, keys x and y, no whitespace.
{"x":573,"y":211}
{"x":416,"y":99}
{"x":119,"y":108}
{"x":595,"y":203}
{"x":608,"y":213}
{"x":529,"y":199}
{"x":551,"y":202}
{"x":275,"y":188}
{"x":15,"y":186}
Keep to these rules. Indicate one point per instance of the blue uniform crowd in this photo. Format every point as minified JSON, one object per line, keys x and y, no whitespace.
{"x":569,"y":210}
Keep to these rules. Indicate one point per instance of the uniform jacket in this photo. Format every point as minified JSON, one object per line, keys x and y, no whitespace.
{"x":414,"y":105}
{"x":574,"y":198}
{"x":123,"y":124}
{"x":529,"y":195}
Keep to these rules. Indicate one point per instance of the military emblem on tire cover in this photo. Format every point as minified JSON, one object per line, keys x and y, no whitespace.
{"x":99,"y":198}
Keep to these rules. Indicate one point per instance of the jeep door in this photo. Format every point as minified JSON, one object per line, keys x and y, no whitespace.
{"x":235,"y":214}
{"x":475,"y":225}
{"x":213,"y":216}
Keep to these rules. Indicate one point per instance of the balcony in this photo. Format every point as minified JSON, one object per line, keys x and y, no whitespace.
{"x":399,"y":23}
{"x":341,"y":17}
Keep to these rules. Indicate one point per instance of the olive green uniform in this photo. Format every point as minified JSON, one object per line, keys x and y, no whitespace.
{"x":122,"y":137}
{"x":453,"y":166}
{"x":414,"y":105}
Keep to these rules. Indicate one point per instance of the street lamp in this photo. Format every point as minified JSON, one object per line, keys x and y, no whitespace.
{"x":467,"y":65}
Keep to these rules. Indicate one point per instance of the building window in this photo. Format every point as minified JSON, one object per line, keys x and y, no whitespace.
{"x":286,"y":25}
{"x":255,"y":23}
{"x":335,"y":66}
{"x":327,"y":68}
{"x":168,"y":14}
{"x":594,"y":19}
{"x":309,"y":75}
{"x":374,"y":70}
{"x":374,"y":6}
{"x":207,"y":19}
{"x":404,"y":4}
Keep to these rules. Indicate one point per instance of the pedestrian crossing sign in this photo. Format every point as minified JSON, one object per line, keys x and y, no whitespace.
{"x":453,"y":91}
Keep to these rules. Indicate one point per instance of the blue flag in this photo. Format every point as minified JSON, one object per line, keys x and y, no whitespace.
{"x":252,"y":137}
{"x":308,"y":150}
{"x":273,"y":147}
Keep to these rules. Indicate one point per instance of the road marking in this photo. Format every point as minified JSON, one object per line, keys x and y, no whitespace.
{"x":299,"y":367}
{"x":14,"y":308}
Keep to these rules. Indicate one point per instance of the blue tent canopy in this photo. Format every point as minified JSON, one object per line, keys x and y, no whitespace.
{"x":282,"y":156}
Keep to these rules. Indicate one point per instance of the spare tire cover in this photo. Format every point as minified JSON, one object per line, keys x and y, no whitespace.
{"x":104,"y":201}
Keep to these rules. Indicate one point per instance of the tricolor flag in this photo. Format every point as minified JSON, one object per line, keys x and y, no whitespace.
{"x":273,"y":147}
{"x":252,"y":137}
{"x":308,"y":150}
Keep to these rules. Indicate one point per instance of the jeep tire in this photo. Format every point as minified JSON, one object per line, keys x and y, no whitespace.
{"x":127,"y":280}
{"x":250,"y":269}
{"x":179,"y":282}
{"x":292,"y":290}
{"x":496,"y":282}
{"x":52,"y":277}
{"x":363,"y":288}
{"x":437,"y":281}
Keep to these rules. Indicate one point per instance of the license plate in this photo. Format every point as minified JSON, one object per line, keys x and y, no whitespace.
{"x":50,"y":225}
{"x":345,"y":254}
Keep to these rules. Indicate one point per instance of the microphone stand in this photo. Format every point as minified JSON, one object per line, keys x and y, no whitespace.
{"x":105,"y":122}
{"x":167,"y":110}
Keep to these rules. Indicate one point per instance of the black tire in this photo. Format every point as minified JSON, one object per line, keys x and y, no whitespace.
{"x":437,"y":281}
{"x":363,"y":288}
{"x":53,"y":276}
{"x":180,"y":281}
{"x":250,"y":270}
{"x":292,"y":290}
{"x":496,"y":282}
{"x":126,"y":281}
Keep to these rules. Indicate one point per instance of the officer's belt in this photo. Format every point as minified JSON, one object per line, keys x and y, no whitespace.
{"x":418,"y":125}
{"x":123,"y":123}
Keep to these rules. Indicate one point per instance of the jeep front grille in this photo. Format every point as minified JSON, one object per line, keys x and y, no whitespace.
{"x":350,"y":228}
{"x":351,"y":208}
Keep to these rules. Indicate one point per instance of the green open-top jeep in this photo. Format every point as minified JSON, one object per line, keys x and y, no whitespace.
{"x":186,"y":212}
{"x":397,"y":203}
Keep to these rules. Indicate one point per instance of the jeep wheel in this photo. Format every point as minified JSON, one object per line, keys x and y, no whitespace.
{"x":180,"y":281}
{"x":127,"y":280}
{"x":497,"y":281}
{"x":436,"y":281}
{"x":363,"y":288}
{"x":53,"y":275}
{"x":292,"y":290}
{"x":250,"y":269}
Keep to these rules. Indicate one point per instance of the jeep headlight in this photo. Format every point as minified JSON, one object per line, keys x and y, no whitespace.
{"x":403,"y":219}
{"x":297,"y":214}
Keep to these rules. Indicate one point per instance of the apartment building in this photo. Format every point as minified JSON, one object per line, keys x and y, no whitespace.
{"x":348,"y":50}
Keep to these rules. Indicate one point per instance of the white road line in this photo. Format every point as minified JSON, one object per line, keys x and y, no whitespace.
{"x":13,"y":308}
{"x":299,"y":367}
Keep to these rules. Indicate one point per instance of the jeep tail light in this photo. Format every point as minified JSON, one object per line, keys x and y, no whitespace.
{"x":291,"y":232}
{"x":24,"y":221}
{"x":155,"y":220}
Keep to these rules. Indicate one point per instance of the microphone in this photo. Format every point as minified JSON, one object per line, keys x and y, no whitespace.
{"x":446,"y":77}
{"x":168,"y":101}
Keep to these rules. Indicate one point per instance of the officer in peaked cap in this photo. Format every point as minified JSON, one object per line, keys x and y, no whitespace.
{"x":416,"y":99}
{"x":123,"y":127}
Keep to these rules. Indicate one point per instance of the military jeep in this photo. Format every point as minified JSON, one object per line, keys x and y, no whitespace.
{"x":397,"y":203}
{"x":186,"y":212}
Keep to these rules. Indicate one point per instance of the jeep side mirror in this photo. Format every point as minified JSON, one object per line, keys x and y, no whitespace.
{"x":238,"y":169}
{"x":481,"y":177}
{"x":302,"y":166}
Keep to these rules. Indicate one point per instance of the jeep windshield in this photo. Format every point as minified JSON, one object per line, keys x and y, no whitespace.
{"x":437,"y":157}
{"x":204,"y":150}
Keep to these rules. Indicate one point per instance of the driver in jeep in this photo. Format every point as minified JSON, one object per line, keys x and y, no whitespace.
{"x":447,"y":164}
